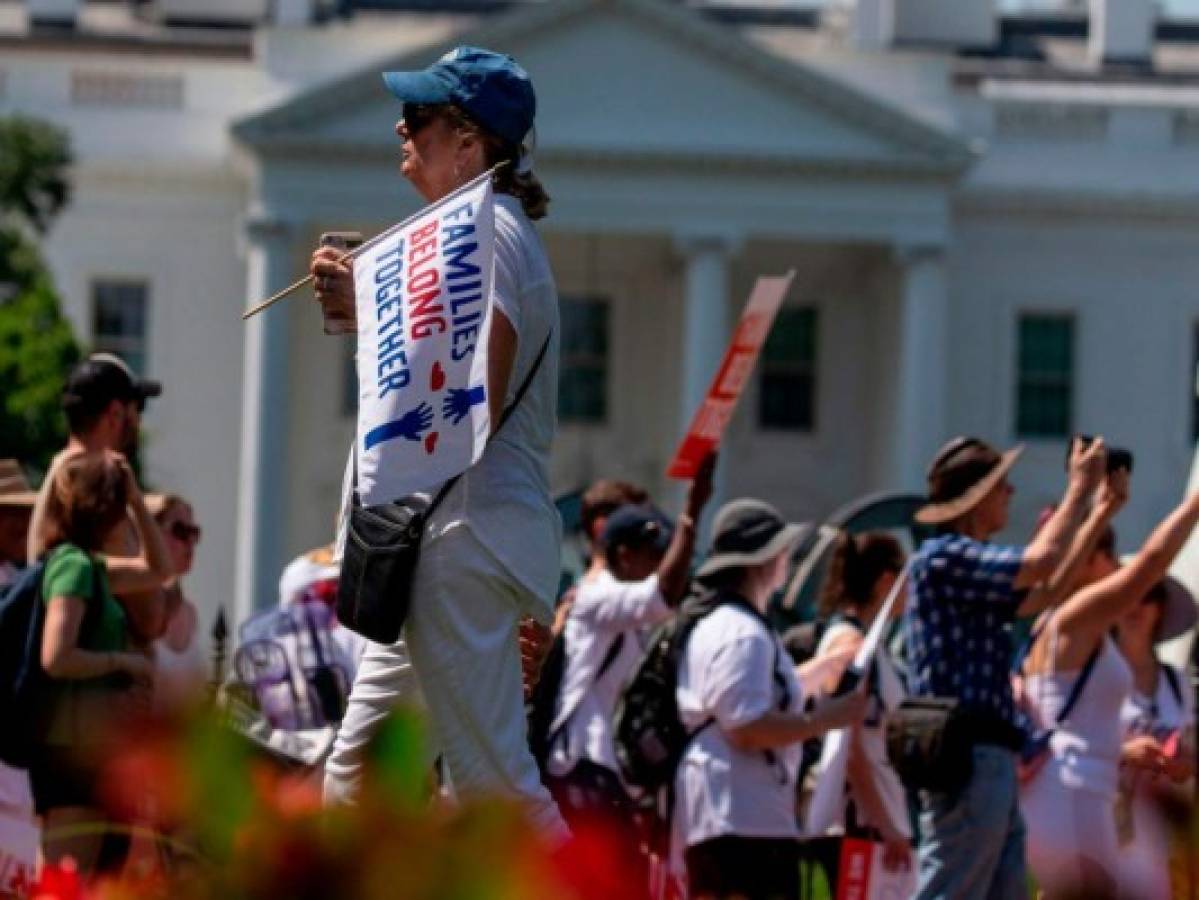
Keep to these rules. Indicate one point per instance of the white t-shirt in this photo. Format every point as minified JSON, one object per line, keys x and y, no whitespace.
{"x":603,"y":610}
{"x":505,"y":497}
{"x":734,"y":671}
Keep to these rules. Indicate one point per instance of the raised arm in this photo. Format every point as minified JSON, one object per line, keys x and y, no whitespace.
{"x":137,"y":579}
{"x":1048,"y":549}
{"x":676,"y":563}
{"x":1113,"y":494}
{"x":1086,"y":616}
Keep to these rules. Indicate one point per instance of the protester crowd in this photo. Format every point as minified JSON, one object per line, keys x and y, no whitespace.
{"x":662,"y":710}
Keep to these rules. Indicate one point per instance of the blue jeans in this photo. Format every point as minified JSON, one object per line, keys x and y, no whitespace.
{"x":972,"y":842}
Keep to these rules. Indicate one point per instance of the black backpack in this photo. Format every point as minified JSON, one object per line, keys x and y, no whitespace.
{"x":649,"y":735}
{"x":23,"y":682}
{"x":26,"y":691}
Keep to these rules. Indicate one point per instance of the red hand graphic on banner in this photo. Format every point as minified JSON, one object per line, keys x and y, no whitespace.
{"x":431,"y":442}
{"x":437,"y":378}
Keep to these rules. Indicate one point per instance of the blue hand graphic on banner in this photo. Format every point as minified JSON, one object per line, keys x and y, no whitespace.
{"x":458,"y":404}
{"x":409,"y":426}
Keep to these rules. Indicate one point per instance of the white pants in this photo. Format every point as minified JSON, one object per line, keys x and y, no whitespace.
{"x":460,"y":652}
{"x":1071,"y":843}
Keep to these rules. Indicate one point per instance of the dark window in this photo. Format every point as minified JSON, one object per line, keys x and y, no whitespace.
{"x":119,"y":320}
{"x":583,"y":372}
{"x":1045,"y":376}
{"x":787,"y":399}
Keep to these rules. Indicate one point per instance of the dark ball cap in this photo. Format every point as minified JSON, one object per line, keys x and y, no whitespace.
{"x":102,"y":378}
{"x":637,"y":526}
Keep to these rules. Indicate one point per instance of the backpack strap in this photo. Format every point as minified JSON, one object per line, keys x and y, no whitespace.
{"x":1174,"y":680}
{"x":609,"y":658}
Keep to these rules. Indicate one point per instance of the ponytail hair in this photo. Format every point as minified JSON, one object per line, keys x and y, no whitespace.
{"x":856,"y":565}
{"x":525,"y":187}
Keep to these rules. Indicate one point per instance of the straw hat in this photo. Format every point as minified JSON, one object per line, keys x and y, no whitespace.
{"x":963,"y":472}
{"x":14,"y":489}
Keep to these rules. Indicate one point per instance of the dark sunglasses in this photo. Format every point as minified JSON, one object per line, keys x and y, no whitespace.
{"x":417,"y":116}
{"x":181,"y":531}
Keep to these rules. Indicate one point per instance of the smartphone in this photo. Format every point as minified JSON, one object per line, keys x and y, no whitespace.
{"x":1117,"y":457}
{"x":336,"y":321}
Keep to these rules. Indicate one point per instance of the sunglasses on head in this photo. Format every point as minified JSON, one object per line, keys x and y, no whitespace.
{"x":181,"y":531}
{"x":417,"y":116}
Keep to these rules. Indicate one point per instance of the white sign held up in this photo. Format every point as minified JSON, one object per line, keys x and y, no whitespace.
{"x":424,"y":313}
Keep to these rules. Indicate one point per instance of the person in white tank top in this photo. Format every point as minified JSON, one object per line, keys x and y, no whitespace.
{"x":179,"y":665}
{"x":1069,"y":803}
{"x":1158,"y":721}
{"x":862,"y":795}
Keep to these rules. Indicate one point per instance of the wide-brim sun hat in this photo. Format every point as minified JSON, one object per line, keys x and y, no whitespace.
{"x":1179,"y":613}
{"x":748,"y":533}
{"x":490,"y":87}
{"x":962,"y":473}
{"x":15,"y":491}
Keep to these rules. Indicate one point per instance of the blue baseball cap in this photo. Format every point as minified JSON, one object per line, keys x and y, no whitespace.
{"x":635,"y":525}
{"x":491,"y":87}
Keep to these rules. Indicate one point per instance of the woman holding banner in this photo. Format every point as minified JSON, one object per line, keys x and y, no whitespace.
{"x":490,"y":552}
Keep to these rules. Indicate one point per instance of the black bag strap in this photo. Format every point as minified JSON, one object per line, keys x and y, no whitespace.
{"x":504,"y":416}
{"x":1174,"y":680}
{"x":1079,"y":684}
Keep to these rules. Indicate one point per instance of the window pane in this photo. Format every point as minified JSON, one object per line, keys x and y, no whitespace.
{"x":583,"y":378}
{"x":119,"y":321}
{"x":1045,"y":377}
{"x":785,"y":401}
{"x":787,"y":388}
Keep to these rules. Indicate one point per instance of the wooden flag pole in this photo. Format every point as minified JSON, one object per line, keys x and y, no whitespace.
{"x":290,"y":289}
{"x":307,"y":279}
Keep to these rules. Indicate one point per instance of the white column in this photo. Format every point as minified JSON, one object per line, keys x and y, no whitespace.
{"x":923,"y":366}
{"x":262,"y":500}
{"x":705,"y":327}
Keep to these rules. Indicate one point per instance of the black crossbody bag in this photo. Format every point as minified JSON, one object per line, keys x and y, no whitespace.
{"x":382,"y":548}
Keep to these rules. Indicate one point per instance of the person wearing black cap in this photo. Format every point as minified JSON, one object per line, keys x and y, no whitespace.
{"x":964,"y":594}
{"x":490,"y":554}
{"x":103,"y":401}
{"x":646,"y":576}
{"x":739,"y":698}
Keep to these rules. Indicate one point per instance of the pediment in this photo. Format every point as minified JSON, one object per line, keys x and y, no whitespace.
{"x":637,"y":78}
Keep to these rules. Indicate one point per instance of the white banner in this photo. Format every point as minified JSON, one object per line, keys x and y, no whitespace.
{"x":424,"y":313}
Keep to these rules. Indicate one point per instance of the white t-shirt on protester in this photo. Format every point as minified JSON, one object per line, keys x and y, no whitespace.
{"x":603,"y":610}
{"x":733,"y":671}
{"x":505,"y":497}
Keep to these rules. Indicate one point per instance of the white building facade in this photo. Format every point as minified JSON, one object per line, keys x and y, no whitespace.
{"x":993,"y":220}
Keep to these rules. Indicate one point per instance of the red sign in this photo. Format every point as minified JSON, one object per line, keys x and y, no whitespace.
{"x":717,"y":409}
{"x":853,"y":879}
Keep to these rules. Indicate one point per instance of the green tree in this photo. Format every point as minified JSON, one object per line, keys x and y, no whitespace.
{"x":37,"y":346}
